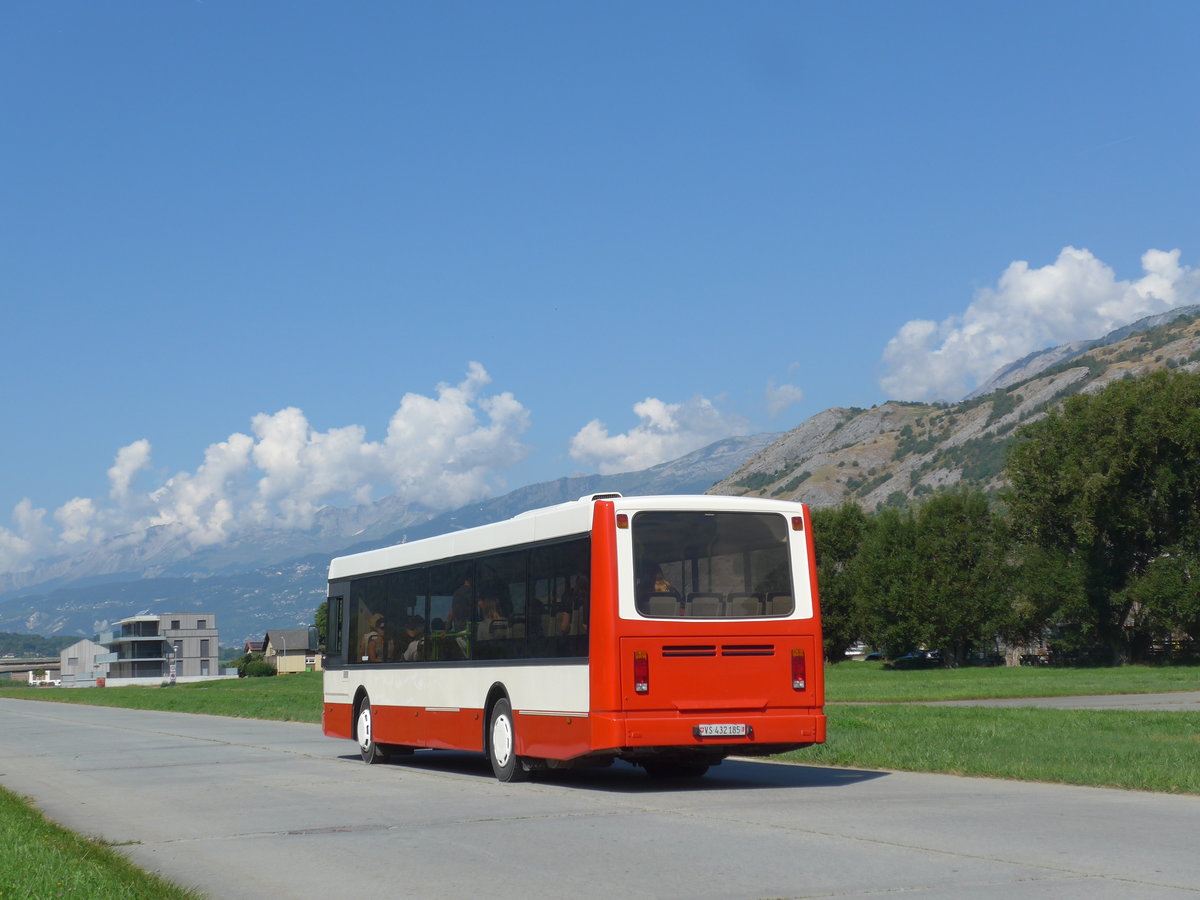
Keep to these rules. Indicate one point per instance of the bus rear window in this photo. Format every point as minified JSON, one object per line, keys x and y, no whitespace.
{"x":712,"y":565}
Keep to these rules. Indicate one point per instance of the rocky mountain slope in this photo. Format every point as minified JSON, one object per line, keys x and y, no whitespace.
{"x":895,"y":453}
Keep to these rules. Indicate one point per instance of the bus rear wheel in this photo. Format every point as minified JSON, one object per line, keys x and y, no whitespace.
{"x":372,"y":752}
{"x":502,"y":744}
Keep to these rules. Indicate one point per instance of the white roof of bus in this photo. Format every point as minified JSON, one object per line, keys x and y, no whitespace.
{"x":562,"y":520}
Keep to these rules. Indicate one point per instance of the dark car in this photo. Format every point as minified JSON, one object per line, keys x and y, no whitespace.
{"x":918,"y":659}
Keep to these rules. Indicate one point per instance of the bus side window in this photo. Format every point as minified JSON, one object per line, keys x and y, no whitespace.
{"x":563,"y":596}
{"x":333,"y":625}
{"x":408,"y":615}
{"x":451,"y":611}
{"x":365,"y":644}
{"x":501,"y":598}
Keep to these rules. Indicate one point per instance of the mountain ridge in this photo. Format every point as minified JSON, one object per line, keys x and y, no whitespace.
{"x":897,"y":452}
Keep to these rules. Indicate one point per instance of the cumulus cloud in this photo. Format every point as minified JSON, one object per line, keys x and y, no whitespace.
{"x":782,"y":396}
{"x":30,"y":536}
{"x":665,"y":431}
{"x":441,"y":452}
{"x":129,"y":462}
{"x":1077,"y":297}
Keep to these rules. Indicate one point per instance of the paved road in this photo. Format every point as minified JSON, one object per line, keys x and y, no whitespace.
{"x":243,"y":808}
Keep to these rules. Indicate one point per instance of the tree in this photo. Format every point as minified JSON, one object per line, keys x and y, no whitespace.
{"x":1045,"y":587}
{"x":937,"y":577}
{"x":1111,"y":482}
{"x":837,"y":536}
{"x":1165,"y":598}
{"x":321,"y":623}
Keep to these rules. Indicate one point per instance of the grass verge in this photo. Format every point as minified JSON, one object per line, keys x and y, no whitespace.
{"x":869,"y":682}
{"x":40,"y":859}
{"x":287,"y":698}
{"x":1143,"y":750}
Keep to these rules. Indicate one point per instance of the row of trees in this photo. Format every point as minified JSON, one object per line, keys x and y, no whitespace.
{"x":1096,"y":543}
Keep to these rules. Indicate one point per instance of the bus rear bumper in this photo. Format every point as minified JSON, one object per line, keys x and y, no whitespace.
{"x":723,"y":732}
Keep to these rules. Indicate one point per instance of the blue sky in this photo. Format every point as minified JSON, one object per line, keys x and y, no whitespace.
{"x":244,"y":243}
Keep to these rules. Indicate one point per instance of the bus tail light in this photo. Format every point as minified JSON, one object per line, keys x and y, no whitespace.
{"x":799,"y":670}
{"x":641,"y":672}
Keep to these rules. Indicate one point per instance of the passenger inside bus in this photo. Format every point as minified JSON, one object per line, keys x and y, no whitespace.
{"x":374,"y":644}
{"x":571,"y":609}
{"x":461,"y":605}
{"x":414,"y":635}
{"x":492,"y":621}
{"x":656,"y":595}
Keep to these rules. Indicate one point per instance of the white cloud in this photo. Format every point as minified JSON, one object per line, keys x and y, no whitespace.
{"x":441,"y":452}
{"x":438,"y":454}
{"x":782,"y":396}
{"x":666,"y":431}
{"x":1077,"y":297}
{"x":77,"y":520}
{"x":31,"y":536}
{"x":129,"y":462}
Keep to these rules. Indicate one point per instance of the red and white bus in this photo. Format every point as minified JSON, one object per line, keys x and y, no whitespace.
{"x":669,"y":632}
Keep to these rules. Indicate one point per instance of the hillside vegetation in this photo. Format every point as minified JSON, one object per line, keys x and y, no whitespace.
{"x":32,"y":645}
{"x":898,"y":452}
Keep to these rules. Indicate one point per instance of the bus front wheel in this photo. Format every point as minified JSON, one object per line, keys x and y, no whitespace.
{"x":371,"y":751}
{"x":502,"y":743}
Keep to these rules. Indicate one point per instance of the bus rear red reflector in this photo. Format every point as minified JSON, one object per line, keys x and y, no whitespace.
{"x":797,"y":523}
{"x":622,"y":520}
{"x":799,"y":670}
{"x":641,"y":672}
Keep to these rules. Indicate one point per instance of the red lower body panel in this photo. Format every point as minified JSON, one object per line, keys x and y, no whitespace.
{"x":538,"y":735}
{"x":337,"y":720}
{"x":568,"y":737}
{"x":659,"y":729}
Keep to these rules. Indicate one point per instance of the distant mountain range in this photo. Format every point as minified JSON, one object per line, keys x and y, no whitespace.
{"x":890,"y":454}
{"x":276,"y":579}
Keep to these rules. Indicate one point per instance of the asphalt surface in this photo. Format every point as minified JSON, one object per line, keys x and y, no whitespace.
{"x":253,"y":809}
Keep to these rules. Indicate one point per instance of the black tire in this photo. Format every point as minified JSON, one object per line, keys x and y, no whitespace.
{"x":502,"y":743}
{"x":372,"y":752}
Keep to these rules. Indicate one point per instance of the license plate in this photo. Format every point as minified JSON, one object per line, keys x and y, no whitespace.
{"x":721,"y":730}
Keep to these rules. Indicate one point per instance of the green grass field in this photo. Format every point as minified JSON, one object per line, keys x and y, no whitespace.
{"x":1148,"y":751}
{"x":287,"y":698}
{"x":870,"y":682}
{"x":297,"y":698}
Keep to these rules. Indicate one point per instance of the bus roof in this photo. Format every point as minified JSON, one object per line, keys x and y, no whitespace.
{"x":535,"y":525}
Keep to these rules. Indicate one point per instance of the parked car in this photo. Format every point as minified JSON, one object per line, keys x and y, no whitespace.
{"x":918,"y":659}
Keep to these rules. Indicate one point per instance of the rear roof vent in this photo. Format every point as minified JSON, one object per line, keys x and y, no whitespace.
{"x":592,"y":498}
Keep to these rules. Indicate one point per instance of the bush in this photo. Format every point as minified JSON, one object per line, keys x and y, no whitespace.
{"x":257,"y":668}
